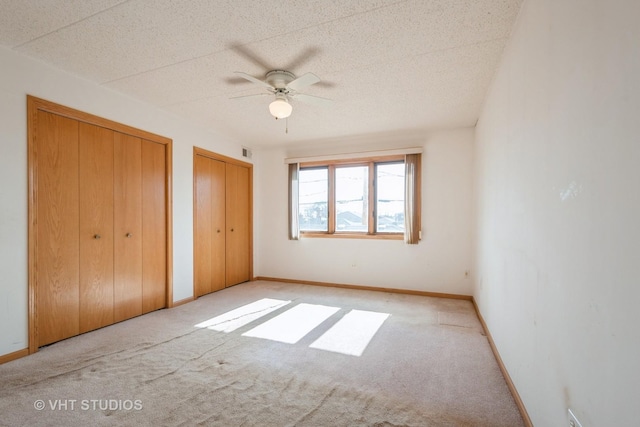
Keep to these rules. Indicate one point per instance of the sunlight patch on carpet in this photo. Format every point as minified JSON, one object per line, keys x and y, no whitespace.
{"x":237,"y":318}
{"x":290,"y":326}
{"x":351,"y":334}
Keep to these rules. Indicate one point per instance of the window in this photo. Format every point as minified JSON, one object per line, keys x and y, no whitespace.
{"x":314,"y":199}
{"x":358,"y":198}
{"x":352,"y":207}
{"x":390,"y":193}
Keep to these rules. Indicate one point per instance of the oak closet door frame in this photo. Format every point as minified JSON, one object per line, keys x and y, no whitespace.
{"x":34,"y":105}
{"x":230,"y":160}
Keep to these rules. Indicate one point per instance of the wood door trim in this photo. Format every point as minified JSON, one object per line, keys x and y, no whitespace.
{"x":168,"y":167}
{"x":34,"y":105}
{"x":197,"y":151}
{"x":32,"y":171}
{"x":81,"y":116}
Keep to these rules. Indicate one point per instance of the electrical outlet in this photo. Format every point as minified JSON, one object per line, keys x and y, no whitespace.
{"x":573,"y":421}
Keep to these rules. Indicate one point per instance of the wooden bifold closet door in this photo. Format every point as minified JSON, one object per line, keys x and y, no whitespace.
{"x":210,"y":237}
{"x":222,"y":222}
{"x":127,"y":268}
{"x":98,"y":223}
{"x":237,"y":205}
{"x":58,"y":235}
{"x":96,"y":227}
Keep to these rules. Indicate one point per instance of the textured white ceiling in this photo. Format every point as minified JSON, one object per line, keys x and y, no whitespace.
{"x":389,"y":65}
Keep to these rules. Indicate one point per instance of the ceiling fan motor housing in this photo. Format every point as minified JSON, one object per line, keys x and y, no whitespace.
{"x":279,"y":79}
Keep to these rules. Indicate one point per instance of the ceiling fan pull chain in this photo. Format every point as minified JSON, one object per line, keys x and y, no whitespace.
{"x":286,"y":125}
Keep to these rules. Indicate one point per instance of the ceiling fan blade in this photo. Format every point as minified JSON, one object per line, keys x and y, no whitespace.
{"x":302,"y":57}
{"x":314,"y":100}
{"x":303,"y":81}
{"x":250,"y":56}
{"x":251,"y":96}
{"x":253,"y":79}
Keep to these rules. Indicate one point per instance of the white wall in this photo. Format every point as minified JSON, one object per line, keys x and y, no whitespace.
{"x":21,"y":76}
{"x":558,"y":191}
{"x":437,"y":264}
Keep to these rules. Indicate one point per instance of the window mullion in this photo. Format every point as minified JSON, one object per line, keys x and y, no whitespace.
{"x":371,"y":197}
{"x":332,"y":199}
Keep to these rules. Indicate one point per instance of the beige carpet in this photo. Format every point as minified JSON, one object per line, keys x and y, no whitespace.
{"x":429,"y":364}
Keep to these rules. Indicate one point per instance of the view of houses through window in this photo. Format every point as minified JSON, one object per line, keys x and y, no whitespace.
{"x":390,"y":197}
{"x":314,"y":199}
{"x":352,"y":210}
{"x":374,"y":190}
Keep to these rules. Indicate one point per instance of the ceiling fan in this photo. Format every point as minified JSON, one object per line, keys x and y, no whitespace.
{"x":285,"y":86}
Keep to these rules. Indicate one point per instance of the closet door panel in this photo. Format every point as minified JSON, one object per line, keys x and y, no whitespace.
{"x":57,"y":252}
{"x":96,"y":226}
{"x":218,"y":220}
{"x":237,"y":214}
{"x":154,"y":218}
{"x":203,"y":270}
{"x":127,"y":156}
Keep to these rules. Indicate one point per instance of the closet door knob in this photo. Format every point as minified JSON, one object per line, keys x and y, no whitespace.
{"x":232,"y":229}
{"x":218,"y":230}
{"x":128,"y":235}
{"x":96,"y":236}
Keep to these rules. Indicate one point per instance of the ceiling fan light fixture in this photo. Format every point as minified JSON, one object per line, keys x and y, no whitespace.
{"x":280,"y":108}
